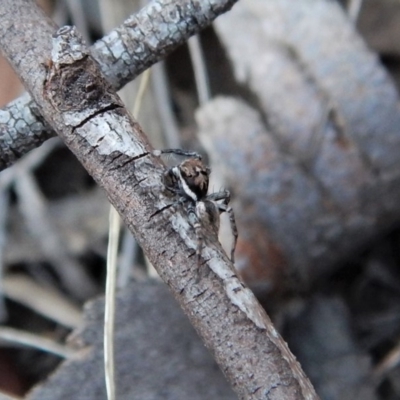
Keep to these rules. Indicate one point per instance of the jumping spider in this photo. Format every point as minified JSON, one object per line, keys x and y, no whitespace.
{"x":190,"y":180}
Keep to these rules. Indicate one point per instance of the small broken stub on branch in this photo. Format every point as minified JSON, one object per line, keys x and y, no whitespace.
{"x":72,"y":76}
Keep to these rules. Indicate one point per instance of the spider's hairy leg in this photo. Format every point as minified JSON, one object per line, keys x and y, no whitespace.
{"x":221,"y":195}
{"x":232,"y":222}
{"x":178,"y":152}
{"x":225,"y":196}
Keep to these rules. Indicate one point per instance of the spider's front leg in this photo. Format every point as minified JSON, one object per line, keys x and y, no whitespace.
{"x":178,"y":152}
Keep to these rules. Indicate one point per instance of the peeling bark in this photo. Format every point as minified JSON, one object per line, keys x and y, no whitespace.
{"x":142,"y":40}
{"x":115,"y":151}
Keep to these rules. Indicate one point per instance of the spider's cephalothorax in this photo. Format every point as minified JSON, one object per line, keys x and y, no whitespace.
{"x":190,"y":181}
{"x":190,"y":178}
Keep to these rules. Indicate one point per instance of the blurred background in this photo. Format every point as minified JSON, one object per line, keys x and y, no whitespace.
{"x":295,"y":107}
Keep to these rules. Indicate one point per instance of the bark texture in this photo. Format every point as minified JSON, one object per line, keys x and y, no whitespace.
{"x":82,"y":107}
{"x":142,"y":40}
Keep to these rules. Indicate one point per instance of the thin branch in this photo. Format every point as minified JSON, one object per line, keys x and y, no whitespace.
{"x":142,"y":40}
{"x":43,"y":300}
{"x":164,"y":106}
{"x":87,"y":114}
{"x":22,"y":129}
{"x":18,"y":337}
{"x":109,"y":308}
{"x":4,"y":396}
{"x":200,"y":70}
{"x":77,"y":12}
{"x":353,"y":9}
{"x":388,"y":363}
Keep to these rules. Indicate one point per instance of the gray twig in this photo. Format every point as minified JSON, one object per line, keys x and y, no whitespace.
{"x":353,"y":9}
{"x":164,"y":106}
{"x":19,"y":337}
{"x":200,"y":70}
